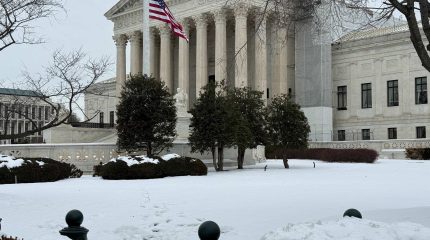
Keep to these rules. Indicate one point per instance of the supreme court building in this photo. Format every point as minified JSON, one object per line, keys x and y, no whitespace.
{"x":366,"y":85}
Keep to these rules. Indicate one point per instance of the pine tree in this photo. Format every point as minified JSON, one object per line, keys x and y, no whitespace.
{"x":288,"y":125}
{"x":146,"y":115}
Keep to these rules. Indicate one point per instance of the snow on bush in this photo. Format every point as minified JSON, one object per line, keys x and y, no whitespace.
{"x":135,"y":160}
{"x":350,"y":228}
{"x":10,"y":162}
{"x":167,"y":157}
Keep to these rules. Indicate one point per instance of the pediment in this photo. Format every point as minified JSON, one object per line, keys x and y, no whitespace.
{"x":123,"y":6}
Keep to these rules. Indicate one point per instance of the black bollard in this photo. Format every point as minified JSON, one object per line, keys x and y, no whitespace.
{"x":209,"y":231}
{"x":74,"y":231}
{"x":352,"y":213}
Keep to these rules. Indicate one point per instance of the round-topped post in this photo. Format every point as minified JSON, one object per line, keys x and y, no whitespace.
{"x":74,"y":231}
{"x":209,"y":231}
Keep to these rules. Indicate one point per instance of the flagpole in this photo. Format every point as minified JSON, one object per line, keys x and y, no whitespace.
{"x":146,"y":39}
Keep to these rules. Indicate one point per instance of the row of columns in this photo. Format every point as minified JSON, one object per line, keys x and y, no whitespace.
{"x":201,"y":25}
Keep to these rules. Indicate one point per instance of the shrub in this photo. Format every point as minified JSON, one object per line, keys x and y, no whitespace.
{"x":325,"y":154}
{"x":418,"y":153}
{"x":31,"y":171}
{"x":179,"y":166}
{"x":183,"y":166}
{"x":120,"y":170}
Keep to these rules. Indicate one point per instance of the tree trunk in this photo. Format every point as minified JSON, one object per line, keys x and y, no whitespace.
{"x":220,"y":158}
{"x":149,"y":150}
{"x":240,"y":157}
{"x":213,"y":150}
{"x":286,"y":162}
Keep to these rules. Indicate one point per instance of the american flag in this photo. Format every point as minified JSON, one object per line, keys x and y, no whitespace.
{"x":158,"y":10}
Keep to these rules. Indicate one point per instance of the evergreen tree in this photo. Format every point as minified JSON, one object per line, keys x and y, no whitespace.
{"x":248,"y":121}
{"x":288,"y":125}
{"x":146,"y":115}
{"x":210,"y":130}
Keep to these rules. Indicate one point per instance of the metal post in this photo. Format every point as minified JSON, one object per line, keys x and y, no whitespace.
{"x":146,"y":44}
{"x":74,"y":231}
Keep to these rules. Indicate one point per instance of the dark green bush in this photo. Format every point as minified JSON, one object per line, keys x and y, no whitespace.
{"x":31,"y":171}
{"x":325,"y":154}
{"x":181,"y":166}
{"x":8,"y":238}
{"x":418,"y":153}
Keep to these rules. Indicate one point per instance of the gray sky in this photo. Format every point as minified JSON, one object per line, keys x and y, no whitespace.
{"x":82,"y":26}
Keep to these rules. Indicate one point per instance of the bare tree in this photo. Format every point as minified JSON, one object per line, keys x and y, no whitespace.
{"x":58,"y":90}
{"x":17,"y":18}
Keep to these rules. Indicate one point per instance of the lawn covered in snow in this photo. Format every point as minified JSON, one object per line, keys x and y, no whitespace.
{"x":297,"y":203}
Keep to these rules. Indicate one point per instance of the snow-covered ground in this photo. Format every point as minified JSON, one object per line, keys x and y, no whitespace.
{"x":392,"y":195}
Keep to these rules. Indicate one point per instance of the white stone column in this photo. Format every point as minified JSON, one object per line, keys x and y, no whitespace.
{"x":184,"y":60}
{"x":121,"y":45}
{"x":201,"y":52}
{"x":220,"y":45}
{"x":241,"y":50}
{"x":261,"y":55}
{"x":155,"y":53}
{"x":135,"y":52}
{"x":165,"y":57}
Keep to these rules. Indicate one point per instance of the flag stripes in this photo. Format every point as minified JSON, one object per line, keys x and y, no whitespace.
{"x":158,"y":10}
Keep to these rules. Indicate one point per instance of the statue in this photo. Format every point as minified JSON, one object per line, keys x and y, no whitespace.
{"x":181,"y":101}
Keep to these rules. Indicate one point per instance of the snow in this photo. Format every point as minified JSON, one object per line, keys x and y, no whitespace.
{"x":10,"y":162}
{"x":167,"y":157}
{"x":393,"y":197}
{"x":133,"y":161}
{"x":350,"y":228}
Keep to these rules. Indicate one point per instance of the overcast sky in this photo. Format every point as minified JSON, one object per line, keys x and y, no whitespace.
{"x":82,"y":26}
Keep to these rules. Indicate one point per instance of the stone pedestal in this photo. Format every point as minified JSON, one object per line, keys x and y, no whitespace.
{"x":182,"y":127}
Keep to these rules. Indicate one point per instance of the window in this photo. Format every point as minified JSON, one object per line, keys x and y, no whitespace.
{"x":46,"y":113}
{"x":40,"y":113}
{"x":112,"y":118}
{"x":421,"y":132}
{"x":421,"y":90}
{"x":101,"y":116}
{"x":6,"y":111}
{"x":393,"y":93}
{"x":365,"y":134}
{"x":12,"y":127}
{"x":392,"y":133}
{"x":33,"y":112}
{"x":40,"y":131}
{"x":19,"y":127}
{"x":366,"y":95}
{"x":26,"y":126}
{"x":13,"y":109}
{"x":341,"y":98}
{"x":27,"y":110}
{"x":1,"y":109}
{"x":341,"y":135}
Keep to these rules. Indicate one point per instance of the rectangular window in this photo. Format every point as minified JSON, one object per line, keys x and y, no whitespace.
{"x":393,"y":93}
{"x":6,"y":111}
{"x":392,"y":133}
{"x":111,"y":118}
{"x":101,"y":116}
{"x":365,"y":134}
{"x":19,"y":127}
{"x":421,"y":132}
{"x":40,"y":131}
{"x":46,"y":113}
{"x":40,"y":113}
{"x":341,"y":135}
{"x":33,"y":112}
{"x":26,"y":126}
{"x":366,"y":95}
{"x":421,"y":90}
{"x":341,"y":98}
{"x":12,"y":127}
{"x":27,"y":110}
{"x":1,"y":109}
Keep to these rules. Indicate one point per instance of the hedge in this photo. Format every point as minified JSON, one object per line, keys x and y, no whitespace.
{"x":418,"y":153}
{"x":325,"y":154}
{"x":31,"y":171}
{"x":9,"y":238}
{"x":180,"y":166}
